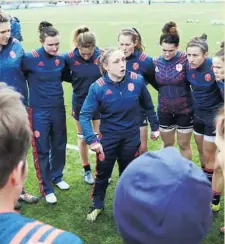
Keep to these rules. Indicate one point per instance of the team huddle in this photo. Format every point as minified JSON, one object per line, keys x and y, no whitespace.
{"x":112,"y":108}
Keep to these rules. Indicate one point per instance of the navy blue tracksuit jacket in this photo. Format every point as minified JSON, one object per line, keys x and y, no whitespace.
{"x":142,"y":64}
{"x":220,"y":85}
{"x":206,"y":94}
{"x":47,"y":115}
{"x":119,"y":105}
{"x":84,"y":73}
{"x":11,"y":72}
{"x":174,"y":90}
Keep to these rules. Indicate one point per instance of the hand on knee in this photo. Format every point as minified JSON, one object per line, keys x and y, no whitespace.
{"x":143,"y":148}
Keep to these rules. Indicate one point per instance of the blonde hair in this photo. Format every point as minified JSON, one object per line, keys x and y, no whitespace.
{"x":200,"y":42}
{"x":82,"y":37}
{"x":105,"y":57}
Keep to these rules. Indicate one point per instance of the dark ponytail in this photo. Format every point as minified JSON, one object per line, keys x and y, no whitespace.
{"x":170,"y":34}
{"x":46,"y":29}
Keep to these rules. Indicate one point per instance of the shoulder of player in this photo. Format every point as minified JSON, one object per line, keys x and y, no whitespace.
{"x":98,"y":51}
{"x":99,"y":83}
{"x":67,"y":237}
{"x":27,"y":228}
{"x":181,"y":58}
{"x":33,"y":54}
{"x":70,"y":54}
{"x":15,"y":42}
{"x":15,"y":45}
{"x":144,"y":58}
{"x":134,"y":77}
{"x":208,"y":64}
{"x":159,"y":60}
{"x":182,"y":54}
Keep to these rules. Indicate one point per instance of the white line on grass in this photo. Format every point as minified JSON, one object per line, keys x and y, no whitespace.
{"x":74,"y":147}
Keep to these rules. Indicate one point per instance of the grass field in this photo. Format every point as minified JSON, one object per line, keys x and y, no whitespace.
{"x":106,"y":21}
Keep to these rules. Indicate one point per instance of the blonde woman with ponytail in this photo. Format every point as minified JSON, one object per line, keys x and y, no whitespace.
{"x":118,"y":94}
{"x":83,"y":64}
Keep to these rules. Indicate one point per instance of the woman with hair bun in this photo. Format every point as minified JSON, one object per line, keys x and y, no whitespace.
{"x":207,"y":101}
{"x":175,"y":109}
{"x":44,"y":69}
{"x":83,"y":64}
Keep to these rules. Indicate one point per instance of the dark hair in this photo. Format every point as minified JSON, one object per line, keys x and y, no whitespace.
{"x":170,"y":34}
{"x":82,"y":37}
{"x":4,"y":18}
{"x":46,"y":29}
{"x":135,"y":35}
{"x":200,"y":42}
{"x":220,"y":53}
{"x":15,"y":132}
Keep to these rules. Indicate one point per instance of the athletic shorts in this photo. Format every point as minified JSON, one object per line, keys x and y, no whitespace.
{"x":181,"y":122}
{"x":205,"y":128}
{"x":76,"y":113}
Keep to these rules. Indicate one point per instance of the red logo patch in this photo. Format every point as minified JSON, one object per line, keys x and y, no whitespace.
{"x":193,"y":76}
{"x":108,"y":92}
{"x":208,"y":77}
{"x":135,"y":66}
{"x":131,"y":87}
{"x":179,"y":67}
{"x":41,"y":64}
{"x":57,"y":62}
{"x":12,"y":54}
{"x":76,"y":63}
{"x":36,"y":133}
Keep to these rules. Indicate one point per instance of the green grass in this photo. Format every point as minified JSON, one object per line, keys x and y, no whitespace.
{"x":106,"y":21}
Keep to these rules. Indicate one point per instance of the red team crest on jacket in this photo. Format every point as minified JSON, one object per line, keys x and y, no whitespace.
{"x":135,"y":66}
{"x":12,"y":54}
{"x":179,"y":67}
{"x":208,"y":77}
{"x":131,"y":87}
{"x":57,"y":62}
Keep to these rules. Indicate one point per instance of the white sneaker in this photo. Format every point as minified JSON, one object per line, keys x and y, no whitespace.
{"x":51,"y":198}
{"x":88,"y":178}
{"x":63,"y":185}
